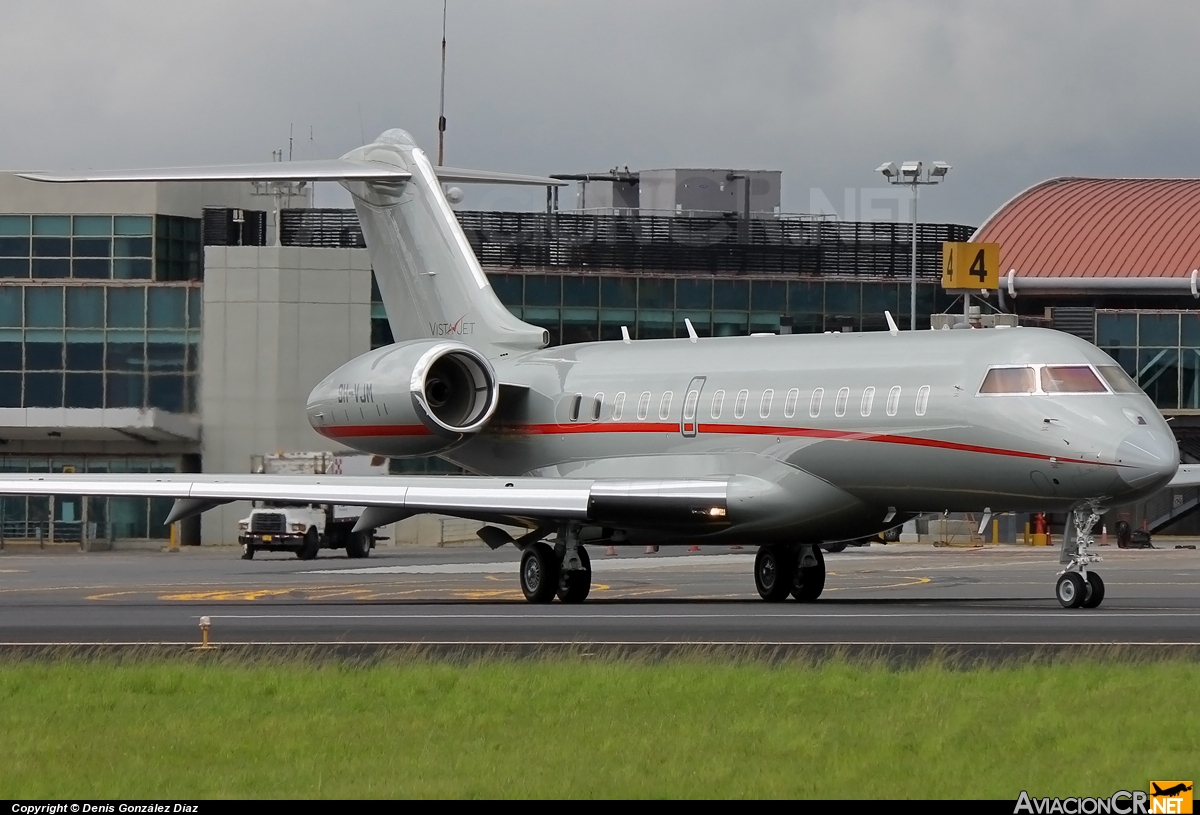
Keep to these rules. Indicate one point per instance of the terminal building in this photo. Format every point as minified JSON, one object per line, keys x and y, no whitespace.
{"x":179,"y":327}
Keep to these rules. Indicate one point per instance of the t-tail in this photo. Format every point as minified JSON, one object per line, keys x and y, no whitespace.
{"x":431,"y":282}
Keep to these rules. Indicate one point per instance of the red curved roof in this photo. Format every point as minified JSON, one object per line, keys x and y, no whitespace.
{"x":1100,"y":227}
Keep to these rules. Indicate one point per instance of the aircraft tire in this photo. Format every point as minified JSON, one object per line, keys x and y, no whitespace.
{"x":539,"y":573}
{"x":1071,"y":590}
{"x":359,"y":544}
{"x":573,"y":587}
{"x":772,"y":565}
{"x":1095,"y":593}
{"x":809,"y":581}
{"x":247,"y":552}
{"x":312,"y":544}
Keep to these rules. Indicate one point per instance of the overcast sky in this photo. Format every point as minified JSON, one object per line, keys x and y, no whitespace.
{"x":1008,"y":92}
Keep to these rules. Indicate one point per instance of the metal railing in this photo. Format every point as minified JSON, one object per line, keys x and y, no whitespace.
{"x":659,"y":243}
{"x":89,"y":536}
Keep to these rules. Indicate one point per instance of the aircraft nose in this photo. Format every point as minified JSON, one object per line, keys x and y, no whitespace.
{"x":1149,"y":458}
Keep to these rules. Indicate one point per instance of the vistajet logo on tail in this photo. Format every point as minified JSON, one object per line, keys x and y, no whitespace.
{"x":458,"y":328}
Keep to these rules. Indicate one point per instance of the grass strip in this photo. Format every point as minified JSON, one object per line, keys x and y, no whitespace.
{"x":575,"y":726}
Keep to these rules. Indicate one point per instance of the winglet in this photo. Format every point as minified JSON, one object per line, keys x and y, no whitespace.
{"x":691,"y":329}
{"x":893,"y":329}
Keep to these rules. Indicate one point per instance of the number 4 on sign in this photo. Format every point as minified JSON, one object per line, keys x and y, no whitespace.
{"x":979,"y":268}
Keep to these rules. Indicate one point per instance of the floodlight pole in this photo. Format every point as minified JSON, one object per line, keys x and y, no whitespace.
{"x":913,"y":179}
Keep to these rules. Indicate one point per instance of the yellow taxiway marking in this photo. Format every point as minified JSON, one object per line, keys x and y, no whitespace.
{"x":914,"y":582}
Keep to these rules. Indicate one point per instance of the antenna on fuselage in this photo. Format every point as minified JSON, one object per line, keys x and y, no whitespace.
{"x":893,"y":329}
{"x":625,"y":334}
{"x":692,"y":335}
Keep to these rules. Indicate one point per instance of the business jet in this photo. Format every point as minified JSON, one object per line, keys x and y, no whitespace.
{"x":783,"y":442}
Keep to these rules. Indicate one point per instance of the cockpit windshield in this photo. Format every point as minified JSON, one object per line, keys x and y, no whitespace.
{"x":1071,"y":379}
{"x":1009,"y":381}
{"x":1050,"y":380}
{"x":1117,"y":379}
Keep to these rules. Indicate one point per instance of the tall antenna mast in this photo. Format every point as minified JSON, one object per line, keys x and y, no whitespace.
{"x":442,"y":96}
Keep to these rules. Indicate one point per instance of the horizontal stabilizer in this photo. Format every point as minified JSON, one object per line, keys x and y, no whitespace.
{"x":1188,"y":475}
{"x":457,"y":175}
{"x":325,"y":170}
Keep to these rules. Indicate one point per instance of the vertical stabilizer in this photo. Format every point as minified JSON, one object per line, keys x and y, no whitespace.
{"x":431,"y":282}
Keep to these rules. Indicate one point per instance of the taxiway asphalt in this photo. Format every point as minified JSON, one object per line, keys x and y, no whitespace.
{"x":895,"y":595}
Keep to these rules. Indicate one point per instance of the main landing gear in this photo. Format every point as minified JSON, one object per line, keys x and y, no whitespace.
{"x":780,"y":570}
{"x":1077,"y":587}
{"x":564,"y":570}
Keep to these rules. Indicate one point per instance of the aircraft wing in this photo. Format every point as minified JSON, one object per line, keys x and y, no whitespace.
{"x":646,"y":502}
{"x":1188,"y":475}
{"x":324,"y":170}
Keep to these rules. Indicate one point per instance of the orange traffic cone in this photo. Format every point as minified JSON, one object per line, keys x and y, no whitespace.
{"x":693,"y":548}
{"x":612,"y":551}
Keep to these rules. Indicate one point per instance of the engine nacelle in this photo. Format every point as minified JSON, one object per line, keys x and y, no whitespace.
{"x":409,"y":399}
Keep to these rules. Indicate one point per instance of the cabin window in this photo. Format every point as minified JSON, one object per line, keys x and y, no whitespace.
{"x":1009,"y":381}
{"x":597,"y":402}
{"x":839,"y":406}
{"x":893,"y":403}
{"x":1071,"y":379}
{"x":618,"y":405}
{"x":739,"y":407}
{"x":718,"y":404}
{"x":868,"y":399}
{"x":789,"y":404}
{"x":689,"y":405}
{"x":922,"y":400}
{"x":814,"y":404}
{"x":643,"y":405}
{"x":1117,"y":379}
{"x":576,"y":401}
{"x":764,"y":406}
{"x":664,"y":407}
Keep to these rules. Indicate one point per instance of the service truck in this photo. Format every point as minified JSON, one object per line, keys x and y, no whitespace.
{"x":305,"y":529}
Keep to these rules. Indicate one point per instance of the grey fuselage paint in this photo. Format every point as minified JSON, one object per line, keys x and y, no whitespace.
{"x":823,"y":446}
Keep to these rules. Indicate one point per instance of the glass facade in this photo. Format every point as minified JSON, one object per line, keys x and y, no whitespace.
{"x":100,"y":346}
{"x":100,"y":247}
{"x":584,"y":308}
{"x":1159,"y":349}
{"x":62,"y":518}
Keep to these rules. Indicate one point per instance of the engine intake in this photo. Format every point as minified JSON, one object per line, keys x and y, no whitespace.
{"x":454,"y":389}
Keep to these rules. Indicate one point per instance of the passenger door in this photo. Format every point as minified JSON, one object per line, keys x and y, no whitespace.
{"x":688,"y":426}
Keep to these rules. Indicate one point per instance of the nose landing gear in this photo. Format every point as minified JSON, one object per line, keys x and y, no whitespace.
{"x":1077,"y":587}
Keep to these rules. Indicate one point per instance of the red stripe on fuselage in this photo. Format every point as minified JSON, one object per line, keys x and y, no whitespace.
{"x":372,"y":430}
{"x":361,"y":431}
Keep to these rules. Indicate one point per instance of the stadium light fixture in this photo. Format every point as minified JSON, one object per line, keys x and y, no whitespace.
{"x":909,"y":175}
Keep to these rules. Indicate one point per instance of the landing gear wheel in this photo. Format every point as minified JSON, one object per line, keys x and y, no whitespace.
{"x":359,"y":544}
{"x":809,"y":581}
{"x":1095,"y":594}
{"x":1071,"y":590}
{"x":539,"y":573}
{"x":247,"y":552}
{"x":573,"y":587}
{"x":312,"y":544}
{"x":772,"y":566}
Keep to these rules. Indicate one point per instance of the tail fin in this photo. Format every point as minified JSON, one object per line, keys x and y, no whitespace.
{"x":431,"y":282}
{"x":430,"y":279}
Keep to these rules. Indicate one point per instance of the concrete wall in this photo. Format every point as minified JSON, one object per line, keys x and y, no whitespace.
{"x":277,"y":320}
